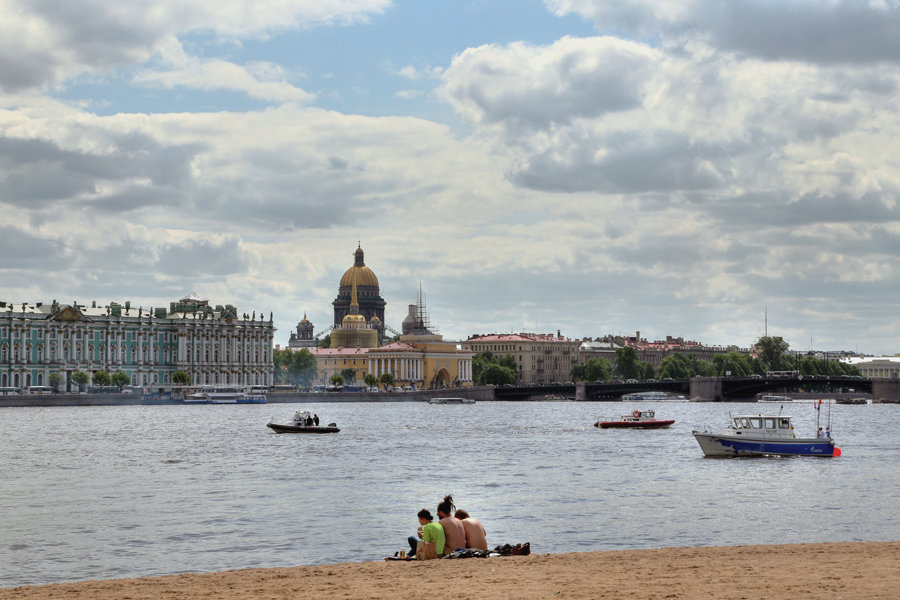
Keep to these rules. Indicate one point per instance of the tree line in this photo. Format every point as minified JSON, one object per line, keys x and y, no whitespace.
{"x":772,"y":354}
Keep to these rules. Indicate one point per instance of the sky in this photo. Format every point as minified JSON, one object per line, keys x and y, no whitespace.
{"x":695,"y":168}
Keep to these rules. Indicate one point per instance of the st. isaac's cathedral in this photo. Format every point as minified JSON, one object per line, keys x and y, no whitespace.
{"x":418,"y":358}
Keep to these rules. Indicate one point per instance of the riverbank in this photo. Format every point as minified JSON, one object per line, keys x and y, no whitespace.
{"x":782,"y":572}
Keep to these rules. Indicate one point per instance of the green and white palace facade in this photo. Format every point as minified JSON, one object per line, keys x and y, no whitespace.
{"x":214,"y":345}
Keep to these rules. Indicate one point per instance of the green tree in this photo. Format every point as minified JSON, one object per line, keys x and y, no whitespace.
{"x":628,"y":366}
{"x":370,"y":380}
{"x":325,"y":342}
{"x":488,"y":369}
{"x":120,"y":379}
{"x":577,"y":372}
{"x":102,"y":378}
{"x":80,"y":378}
{"x":53,"y":379}
{"x":735,"y":362}
{"x":181,"y":378}
{"x":294,"y":367}
{"x":349,"y":376}
{"x":336,"y":380}
{"x":387,"y":380}
{"x":597,"y":369}
{"x":496,"y":374}
{"x":772,"y":352}
{"x":681,"y":365}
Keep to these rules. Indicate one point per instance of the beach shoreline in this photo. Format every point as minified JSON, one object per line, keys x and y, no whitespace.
{"x":778,"y":572}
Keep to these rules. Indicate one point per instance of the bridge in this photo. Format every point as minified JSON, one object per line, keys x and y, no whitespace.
{"x":712,"y":389}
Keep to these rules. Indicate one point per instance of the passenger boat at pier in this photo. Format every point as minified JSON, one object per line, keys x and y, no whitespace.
{"x":774,"y":398}
{"x":298,"y":424}
{"x":763,"y":435}
{"x":227,"y":395}
{"x":637,"y":419}
{"x":451,"y":401}
{"x":653,"y":396}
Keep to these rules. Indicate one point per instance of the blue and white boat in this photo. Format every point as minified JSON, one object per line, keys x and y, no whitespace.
{"x":763,"y":435}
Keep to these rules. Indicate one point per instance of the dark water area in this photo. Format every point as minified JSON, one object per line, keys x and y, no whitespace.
{"x":110,"y":492}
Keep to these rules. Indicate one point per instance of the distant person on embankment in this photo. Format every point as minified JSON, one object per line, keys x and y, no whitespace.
{"x":453,"y":527}
{"x":475,"y":536}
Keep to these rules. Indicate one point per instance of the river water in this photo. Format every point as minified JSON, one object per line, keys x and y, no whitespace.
{"x":110,"y":492}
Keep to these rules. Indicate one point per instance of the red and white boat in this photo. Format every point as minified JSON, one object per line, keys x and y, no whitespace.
{"x":637,"y":419}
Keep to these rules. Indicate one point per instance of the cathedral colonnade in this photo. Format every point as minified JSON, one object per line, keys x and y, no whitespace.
{"x":405,"y":368}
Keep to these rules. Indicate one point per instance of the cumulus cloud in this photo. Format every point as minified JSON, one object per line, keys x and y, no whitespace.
{"x":820,"y":31}
{"x":47,"y":43}
{"x":528,"y":86}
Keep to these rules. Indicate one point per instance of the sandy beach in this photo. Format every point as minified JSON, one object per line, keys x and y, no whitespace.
{"x":783,"y":572}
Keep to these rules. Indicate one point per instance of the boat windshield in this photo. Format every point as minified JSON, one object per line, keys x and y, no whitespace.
{"x":769,"y":422}
{"x":784,"y":423}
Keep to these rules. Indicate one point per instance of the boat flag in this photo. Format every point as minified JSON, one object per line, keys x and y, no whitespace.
{"x":817,"y":405}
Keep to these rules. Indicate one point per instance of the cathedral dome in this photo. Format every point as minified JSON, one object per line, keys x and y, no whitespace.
{"x":363,"y":275}
{"x":354,"y":321}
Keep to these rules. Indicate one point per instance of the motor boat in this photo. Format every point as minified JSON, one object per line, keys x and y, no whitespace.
{"x":636,"y":419}
{"x":299,"y":424}
{"x":764,"y":435}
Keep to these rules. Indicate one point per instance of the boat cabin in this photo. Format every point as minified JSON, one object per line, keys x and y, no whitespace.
{"x":763,"y":425}
{"x":640,"y":415}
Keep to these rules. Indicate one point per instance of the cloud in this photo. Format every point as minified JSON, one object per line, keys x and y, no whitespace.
{"x":134,"y":170}
{"x":202,"y":257}
{"x":48,"y":43}
{"x":817,"y":31}
{"x":535,"y":87}
{"x":260,"y":80}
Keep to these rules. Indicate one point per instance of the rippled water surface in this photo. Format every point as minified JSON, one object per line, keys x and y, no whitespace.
{"x":108,"y":492}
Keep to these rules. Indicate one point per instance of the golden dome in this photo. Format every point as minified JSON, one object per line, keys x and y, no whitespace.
{"x":353,"y":321}
{"x":364,"y":276}
{"x":360,"y":272}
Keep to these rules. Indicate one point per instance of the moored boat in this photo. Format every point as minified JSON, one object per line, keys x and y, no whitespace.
{"x":451,"y":401}
{"x":763,"y":435}
{"x":303,"y":421}
{"x":636,"y":419}
{"x":227,"y":395}
{"x":774,"y":398}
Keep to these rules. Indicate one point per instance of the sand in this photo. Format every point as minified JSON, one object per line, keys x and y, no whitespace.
{"x":797,"y":571}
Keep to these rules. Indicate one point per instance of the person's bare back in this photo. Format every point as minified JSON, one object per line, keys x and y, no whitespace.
{"x":475,"y":536}
{"x":454,"y":532}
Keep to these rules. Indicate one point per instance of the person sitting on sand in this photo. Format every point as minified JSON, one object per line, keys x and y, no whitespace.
{"x":429,"y":531}
{"x":475,"y":536}
{"x":454,"y":532}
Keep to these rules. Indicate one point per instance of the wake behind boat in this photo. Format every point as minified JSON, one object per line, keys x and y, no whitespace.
{"x":303,"y":421}
{"x":763,"y":435}
{"x":637,"y":419}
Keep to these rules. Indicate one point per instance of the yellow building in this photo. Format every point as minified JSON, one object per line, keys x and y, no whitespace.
{"x":354,"y":331}
{"x":540,"y":358}
{"x":420,"y":359}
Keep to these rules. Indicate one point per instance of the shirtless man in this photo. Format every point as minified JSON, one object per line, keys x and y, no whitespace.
{"x":475,"y":537}
{"x":454,"y":532}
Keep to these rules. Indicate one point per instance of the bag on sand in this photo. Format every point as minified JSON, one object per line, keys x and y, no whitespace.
{"x":426,"y":550}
